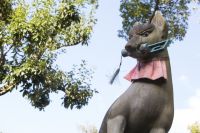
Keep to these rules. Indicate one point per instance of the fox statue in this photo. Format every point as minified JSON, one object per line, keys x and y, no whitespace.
{"x":147,"y":106}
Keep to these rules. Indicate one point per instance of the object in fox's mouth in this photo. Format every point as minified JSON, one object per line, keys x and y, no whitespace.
{"x":156,"y":47}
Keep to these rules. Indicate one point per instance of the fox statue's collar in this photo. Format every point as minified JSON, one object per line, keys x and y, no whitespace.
{"x":152,"y":69}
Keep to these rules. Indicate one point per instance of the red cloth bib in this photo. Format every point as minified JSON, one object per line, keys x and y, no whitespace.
{"x":153,"y":70}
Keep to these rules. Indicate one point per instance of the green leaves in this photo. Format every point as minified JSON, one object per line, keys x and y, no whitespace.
{"x":175,"y":12}
{"x":31,"y":35}
{"x":77,"y":89}
{"x":194,"y":128}
{"x":5,"y":10}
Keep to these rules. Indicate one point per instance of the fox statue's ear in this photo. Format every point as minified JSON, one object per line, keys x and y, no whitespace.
{"x":159,"y":21}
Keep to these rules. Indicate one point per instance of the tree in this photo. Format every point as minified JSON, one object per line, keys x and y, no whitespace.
{"x":31,"y":37}
{"x":176,"y":13}
{"x":88,"y":129}
{"x":194,"y":128}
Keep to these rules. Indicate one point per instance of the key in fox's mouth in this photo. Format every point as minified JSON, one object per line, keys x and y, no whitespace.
{"x":149,"y":48}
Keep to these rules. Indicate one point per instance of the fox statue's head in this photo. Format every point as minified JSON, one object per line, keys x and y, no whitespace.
{"x":147,"y":33}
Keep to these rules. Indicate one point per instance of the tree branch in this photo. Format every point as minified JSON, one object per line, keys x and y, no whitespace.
{"x":6,"y":88}
{"x":8,"y":50}
{"x":2,"y":57}
{"x":157,"y":2}
{"x":67,"y":45}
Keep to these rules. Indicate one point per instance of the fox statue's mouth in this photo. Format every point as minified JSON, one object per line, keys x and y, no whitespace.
{"x":149,"y":48}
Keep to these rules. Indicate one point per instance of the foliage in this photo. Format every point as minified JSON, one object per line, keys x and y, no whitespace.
{"x":88,"y":129}
{"x":195,"y":128}
{"x":176,"y":13}
{"x":31,"y":37}
{"x":5,"y":10}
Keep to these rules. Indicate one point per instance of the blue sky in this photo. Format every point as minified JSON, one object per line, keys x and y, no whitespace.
{"x":102,"y":55}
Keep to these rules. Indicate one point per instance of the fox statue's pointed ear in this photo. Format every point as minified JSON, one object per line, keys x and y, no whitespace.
{"x":159,"y":21}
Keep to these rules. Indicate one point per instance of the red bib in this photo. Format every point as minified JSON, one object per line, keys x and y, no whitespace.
{"x":153,"y":70}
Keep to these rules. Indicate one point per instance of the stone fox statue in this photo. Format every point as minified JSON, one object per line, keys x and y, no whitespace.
{"x":147,"y":105}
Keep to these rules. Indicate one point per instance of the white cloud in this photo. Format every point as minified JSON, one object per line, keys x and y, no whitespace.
{"x":183,"y":77}
{"x":185,"y":117}
{"x":194,"y":101}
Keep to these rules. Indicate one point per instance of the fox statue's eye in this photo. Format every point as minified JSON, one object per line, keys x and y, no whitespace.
{"x":145,"y":34}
